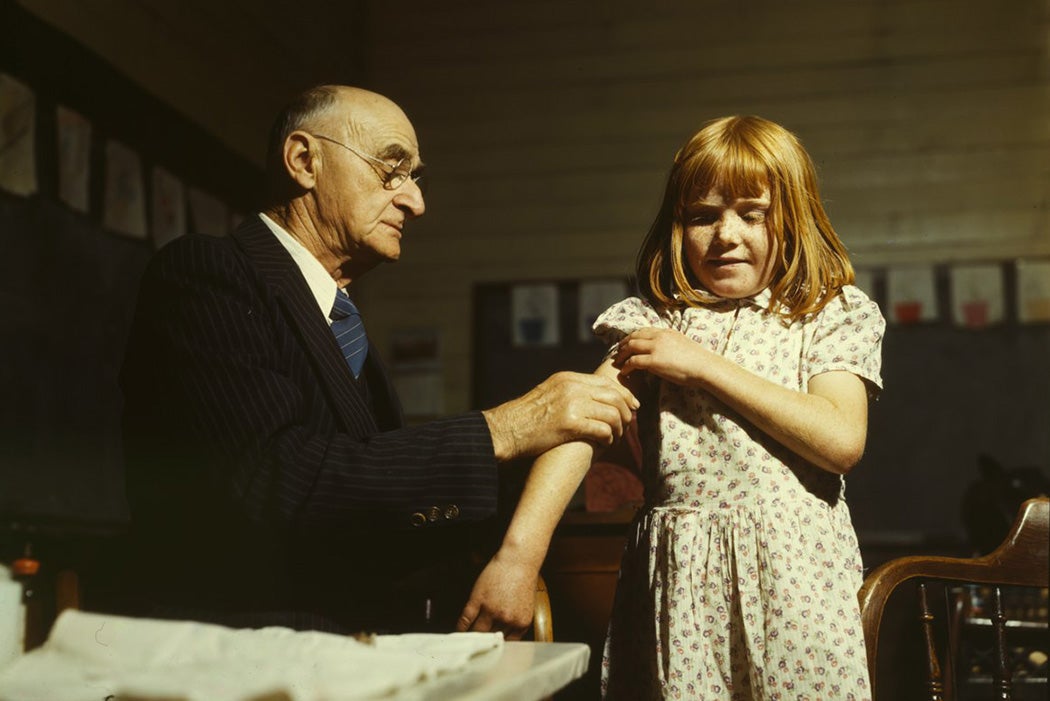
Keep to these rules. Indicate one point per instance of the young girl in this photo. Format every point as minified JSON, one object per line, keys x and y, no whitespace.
{"x":754,"y":359}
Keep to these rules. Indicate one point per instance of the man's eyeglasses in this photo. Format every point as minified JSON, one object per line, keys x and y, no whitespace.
{"x":393,"y":177}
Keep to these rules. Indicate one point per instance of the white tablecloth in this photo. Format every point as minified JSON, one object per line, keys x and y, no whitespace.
{"x":89,"y":657}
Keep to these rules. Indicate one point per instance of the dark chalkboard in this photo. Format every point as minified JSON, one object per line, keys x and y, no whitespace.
{"x":67,"y":291}
{"x":951,"y":395}
{"x":503,"y":370}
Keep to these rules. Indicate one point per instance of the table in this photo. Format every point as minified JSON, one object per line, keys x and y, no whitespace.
{"x":90,"y":656}
{"x":518,"y":671}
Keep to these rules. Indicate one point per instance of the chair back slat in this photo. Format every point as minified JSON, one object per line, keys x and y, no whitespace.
{"x":934,"y":680}
{"x":1002,"y":680}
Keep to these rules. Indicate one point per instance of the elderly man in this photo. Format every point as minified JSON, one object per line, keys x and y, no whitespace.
{"x":271,"y":478}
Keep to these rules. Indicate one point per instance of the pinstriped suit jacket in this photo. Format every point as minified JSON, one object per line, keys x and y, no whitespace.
{"x":260,"y":474}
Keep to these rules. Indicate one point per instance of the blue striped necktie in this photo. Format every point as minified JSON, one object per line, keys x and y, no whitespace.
{"x":349,"y":332}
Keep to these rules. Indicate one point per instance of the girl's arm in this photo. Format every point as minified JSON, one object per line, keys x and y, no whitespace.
{"x":827,"y":424}
{"x":504,"y":594}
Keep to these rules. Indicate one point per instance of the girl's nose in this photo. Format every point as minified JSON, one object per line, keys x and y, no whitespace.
{"x":730,"y":227}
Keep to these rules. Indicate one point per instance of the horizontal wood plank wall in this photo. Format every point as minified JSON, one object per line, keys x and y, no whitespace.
{"x":549,"y":128}
{"x":228,"y":66}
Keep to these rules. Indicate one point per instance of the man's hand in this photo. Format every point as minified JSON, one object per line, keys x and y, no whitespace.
{"x":567,"y":406}
{"x":503,"y":599}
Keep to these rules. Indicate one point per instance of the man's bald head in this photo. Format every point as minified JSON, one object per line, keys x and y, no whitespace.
{"x":318,"y":107}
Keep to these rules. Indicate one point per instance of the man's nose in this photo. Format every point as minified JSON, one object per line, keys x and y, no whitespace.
{"x":410,"y":197}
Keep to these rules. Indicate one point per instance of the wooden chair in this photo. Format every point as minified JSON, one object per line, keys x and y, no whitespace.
{"x":1021,"y":561}
{"x":542,"y":623}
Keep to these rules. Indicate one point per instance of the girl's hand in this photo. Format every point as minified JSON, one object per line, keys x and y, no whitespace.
{"x":668,"y":354}
{"x":503,"y":598}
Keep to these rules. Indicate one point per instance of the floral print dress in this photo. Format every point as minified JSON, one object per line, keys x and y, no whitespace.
{"x":741,"y":572}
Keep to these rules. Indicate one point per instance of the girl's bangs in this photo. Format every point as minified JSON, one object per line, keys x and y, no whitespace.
{"x":735,"y":172}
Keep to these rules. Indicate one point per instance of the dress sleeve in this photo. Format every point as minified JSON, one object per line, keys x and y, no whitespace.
{"x":848,"y":337}
{"x":625,"y":317}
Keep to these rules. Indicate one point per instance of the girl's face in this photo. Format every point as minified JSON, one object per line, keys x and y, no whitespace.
{"x":726,"y":244}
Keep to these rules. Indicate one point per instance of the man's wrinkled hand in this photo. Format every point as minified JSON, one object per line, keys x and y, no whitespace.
{"x":567,"y":406}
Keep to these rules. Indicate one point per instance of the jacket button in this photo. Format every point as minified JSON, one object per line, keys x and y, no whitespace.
{"x":451,"y":512}
{"x":433,"y":514}
{"x":418,"y":519}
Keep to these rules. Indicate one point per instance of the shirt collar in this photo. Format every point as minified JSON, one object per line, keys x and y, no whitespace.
{"x":759,"y":299}
{"x":317,"y":278}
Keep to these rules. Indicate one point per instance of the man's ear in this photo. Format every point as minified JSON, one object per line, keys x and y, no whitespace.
{"x":300,"y":159}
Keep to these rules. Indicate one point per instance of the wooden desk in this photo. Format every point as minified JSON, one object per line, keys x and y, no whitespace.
{"x":581,"y":572}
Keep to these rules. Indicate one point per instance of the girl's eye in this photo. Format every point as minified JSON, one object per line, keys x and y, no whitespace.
{"x":755,"y":216}
{"x":706,"y":219}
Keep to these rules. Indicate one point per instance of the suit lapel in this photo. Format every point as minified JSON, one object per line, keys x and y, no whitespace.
{"x":300,"y":308}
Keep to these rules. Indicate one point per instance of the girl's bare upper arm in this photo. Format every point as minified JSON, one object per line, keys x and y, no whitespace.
{"x":844,"y":390}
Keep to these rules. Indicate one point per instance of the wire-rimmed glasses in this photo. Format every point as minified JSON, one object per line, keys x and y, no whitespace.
{"x":394,"y":176}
